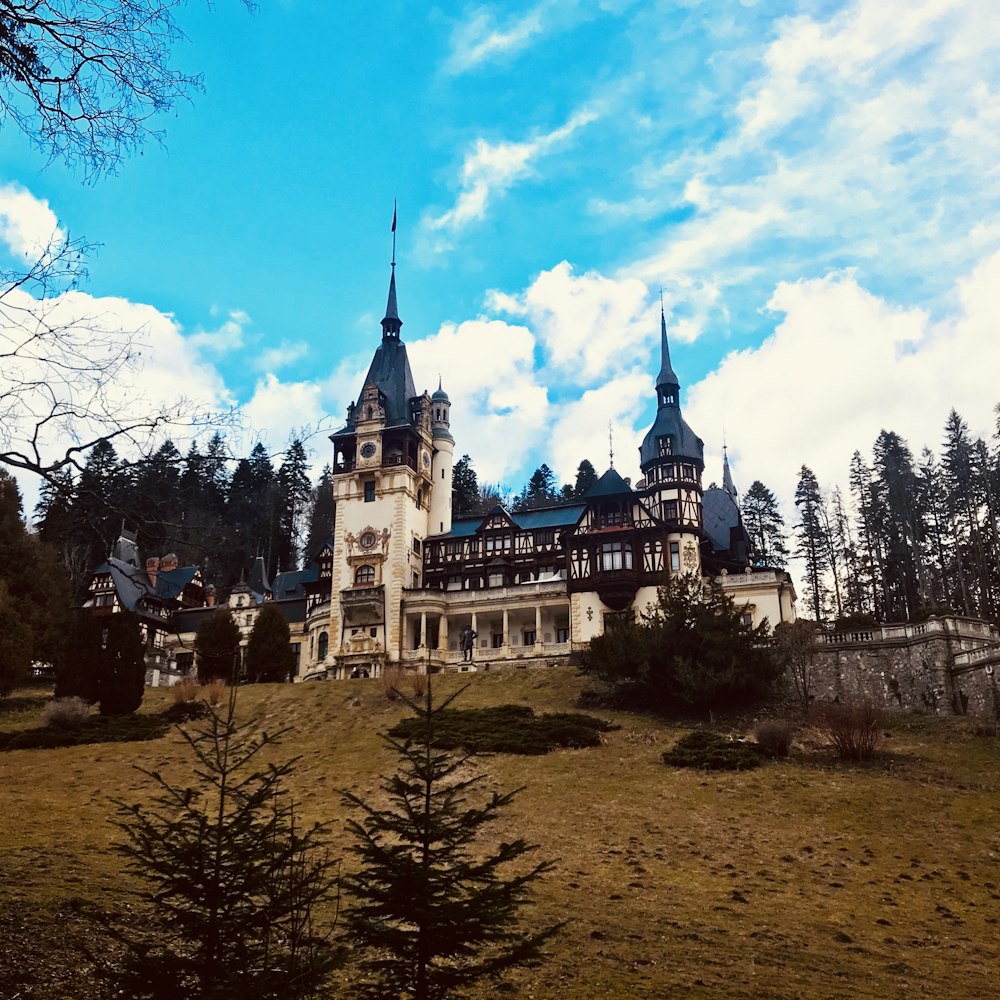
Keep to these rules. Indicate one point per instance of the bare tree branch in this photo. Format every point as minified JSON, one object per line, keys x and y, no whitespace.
{"x":83,"y":78}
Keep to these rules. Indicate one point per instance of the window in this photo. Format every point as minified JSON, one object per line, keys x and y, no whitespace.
{"x":495,"y":580}
{"x":748,"y":619}
{"x":665,"y":444}
{"x":670,"y":510}
{"x":675,"y":556}
{"x":497,"y":543}
{"x":562,"y":635}
{"x":416,"y":546}
{"x":364,"y":575}
{"x":369,"y":490}
{"x":497,"y":638}
{"x":546,"y":537}
{"x":529,"y":637}
{"x":452,"y":548}
{"x":688,"y":471}
{"x":324,"y":646}
{"x":615,"y":556}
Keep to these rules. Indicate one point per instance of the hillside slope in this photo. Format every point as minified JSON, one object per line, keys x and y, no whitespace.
{"x":804,"y":878}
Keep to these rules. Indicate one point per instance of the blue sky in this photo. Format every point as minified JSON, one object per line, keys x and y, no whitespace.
{"x":814,"y":186}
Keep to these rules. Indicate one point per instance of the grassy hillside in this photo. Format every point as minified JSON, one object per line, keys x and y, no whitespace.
{"x":804,"y":878}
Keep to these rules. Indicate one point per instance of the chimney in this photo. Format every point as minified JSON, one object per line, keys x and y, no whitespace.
{"x":168,"y":562}
{"x":152,"y":568}
{"x":210,"y":596}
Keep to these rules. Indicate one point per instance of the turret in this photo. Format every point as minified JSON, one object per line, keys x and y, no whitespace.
{"x":672,"y":458}
{"x":444,"y":456}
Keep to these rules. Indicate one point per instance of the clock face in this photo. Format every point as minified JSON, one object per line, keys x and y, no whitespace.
{"x":427,"y":459}
{"x":367,"y":540}
{"x":367,"y":449}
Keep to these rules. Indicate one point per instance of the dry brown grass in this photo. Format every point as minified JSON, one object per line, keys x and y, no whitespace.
{"x":185,"y":691}
{"x":215,"y":692}
{"x":808,"y":877}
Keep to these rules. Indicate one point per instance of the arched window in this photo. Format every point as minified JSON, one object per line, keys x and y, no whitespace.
{"x":324,"y":646}
{"x":364,"y":574}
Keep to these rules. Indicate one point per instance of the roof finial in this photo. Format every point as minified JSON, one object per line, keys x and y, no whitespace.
{"x":611,"y":446}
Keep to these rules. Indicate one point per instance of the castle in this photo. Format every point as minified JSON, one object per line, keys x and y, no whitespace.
{"x":406,"y":583}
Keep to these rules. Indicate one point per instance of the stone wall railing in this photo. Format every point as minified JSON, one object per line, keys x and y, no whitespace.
{"x":958,"y":627}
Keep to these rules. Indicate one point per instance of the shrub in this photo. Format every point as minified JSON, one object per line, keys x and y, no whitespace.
{"x":709,"y":751}
{"x":854,"y":728}
{"x":185,"y":690}
{"x":506,"y":729}
{"x":187,"y":711}
{"x":691,"y":649}
{"x":214,"y":692}
{"x":418,"y":685}
{"x":391,"y":678}
{"x":66,"y":713}
{"x":774,"y":736}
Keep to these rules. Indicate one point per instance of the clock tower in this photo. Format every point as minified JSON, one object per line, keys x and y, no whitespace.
{"x":392,"y":468}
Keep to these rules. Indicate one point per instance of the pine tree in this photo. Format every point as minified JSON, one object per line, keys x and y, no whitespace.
{"x":539,"y":491}
{"x":436,"y":911}
{"x":234,"y":876}
{"x":122,"y":676}
{"x":812,"y":545}
{"x":765,"y":526}
{"x":294,"y":492}
{"x":15,"y":644}
{"x":217,"y":646}
{"x":322,"y":514}
{"x":465,"y":498}
{"x":269,"y":654}
{"x":586,"y":476}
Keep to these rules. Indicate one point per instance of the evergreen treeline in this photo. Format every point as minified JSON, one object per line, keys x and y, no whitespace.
{"x":542,"y":489}
{"x":207,"y":508}
{"x":914,"y":536}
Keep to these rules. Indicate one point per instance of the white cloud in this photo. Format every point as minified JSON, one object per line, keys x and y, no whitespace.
{"x":280,"y":410}
{"x":588,"y":325}
{"x":490,"y":169}
{"x":286,"y":353}
{"x":499,"y":408}
{"x":227,"y":337}
{"x":27,"y":224}
{"x":842,"y":365}
{"x":479,"y":39}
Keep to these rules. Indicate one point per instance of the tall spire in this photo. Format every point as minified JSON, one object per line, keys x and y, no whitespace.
{"x":391,"y":322}
{"x":667,"y":384}
{"x":727,"y":476}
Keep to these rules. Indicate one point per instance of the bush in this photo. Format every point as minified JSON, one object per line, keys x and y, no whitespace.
{"x":185,"y":690}
{"x":691,"y":650}
{"x":854,"y":728}
{"x":418,"y":685}
{"x":391,"y":678}
{"x":774,"y":736}
{"x":709,"y":751}
{"x":187,"y":711}
{"x":506,"y":729}
{"x":66,"y":713}
{"x":214,"y":692}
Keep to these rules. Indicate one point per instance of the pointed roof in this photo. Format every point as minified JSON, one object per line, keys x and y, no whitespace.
{"x":391,"y":322}
{"x":610,"y":484}
{"x":727,"y":476}
{"x":667,"y":377}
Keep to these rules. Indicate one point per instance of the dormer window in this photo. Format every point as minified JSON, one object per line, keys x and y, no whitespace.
{"x":665,"y":444}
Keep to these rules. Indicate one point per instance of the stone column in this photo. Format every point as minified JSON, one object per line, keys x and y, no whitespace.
{"x":538,"y":628}
{"x":443,"y":633}
{"x":506,"y":630}
{"x":423,"y":630}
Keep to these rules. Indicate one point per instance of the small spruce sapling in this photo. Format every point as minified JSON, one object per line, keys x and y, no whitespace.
{"x":234,"y":877}
{"x":435,"y":913}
